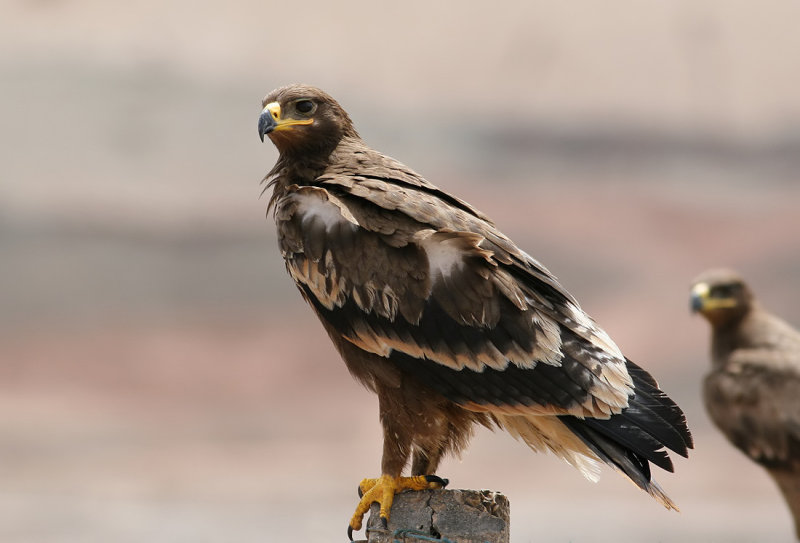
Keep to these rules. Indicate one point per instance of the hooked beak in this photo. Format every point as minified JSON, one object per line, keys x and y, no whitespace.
{"x":698,"y":297}
{"x":271,"y":120}
{"x":268,"y":120}
{"x":695,"y":303}
{"x":701,"y":300}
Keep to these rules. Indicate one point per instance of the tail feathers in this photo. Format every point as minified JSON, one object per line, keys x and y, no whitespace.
{"x":673,"y":430}
{"x":640,"y":434}
{"x":640,"y":446}
{"x":584,"y":448}
{"x":627,"y":441}
{"x":648,"y":430}
{"x":543,"y":433}
{"x":634,"y":466}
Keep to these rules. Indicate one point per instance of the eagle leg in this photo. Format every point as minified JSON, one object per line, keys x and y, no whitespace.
{"x":400,"y":432}
{"x":382,"y":491}
{"x":425,"y":462}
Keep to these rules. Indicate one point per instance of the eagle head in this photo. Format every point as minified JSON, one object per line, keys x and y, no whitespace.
{"x":721,"y":296}
{"x":302,"y":120}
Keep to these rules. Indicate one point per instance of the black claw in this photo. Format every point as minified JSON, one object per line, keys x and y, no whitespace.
{"x":360,"y":492}
{"x":438,"y":480}
{"x":349,"y":532}
{"x":384,"y":523}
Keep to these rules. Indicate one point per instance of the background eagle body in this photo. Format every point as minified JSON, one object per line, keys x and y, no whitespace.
{"x":752,"y":392}
{"x":444,"y":317}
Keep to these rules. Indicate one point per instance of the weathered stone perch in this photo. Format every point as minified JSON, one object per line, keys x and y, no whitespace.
{"x":460,"y":516}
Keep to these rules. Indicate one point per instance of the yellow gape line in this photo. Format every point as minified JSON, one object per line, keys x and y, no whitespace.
{"x":273,"y":109}
{"x":382,"y":491}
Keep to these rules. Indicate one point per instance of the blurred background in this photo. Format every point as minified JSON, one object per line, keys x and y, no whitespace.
{"x":162,"y":381}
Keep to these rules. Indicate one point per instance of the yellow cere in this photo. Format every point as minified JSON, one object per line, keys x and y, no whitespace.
{"x":701,"y":290}
{"x":274,"y":109}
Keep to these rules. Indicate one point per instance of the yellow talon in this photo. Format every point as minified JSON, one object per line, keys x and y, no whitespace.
{"x":382,"y":491}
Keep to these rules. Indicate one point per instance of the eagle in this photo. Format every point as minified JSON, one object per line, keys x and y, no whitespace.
{"x":752,"y":392}
{"x":441,"y":315}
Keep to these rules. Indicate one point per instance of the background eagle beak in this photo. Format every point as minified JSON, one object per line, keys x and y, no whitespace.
{"x":699,"y":294}
{"x":695,"y":303}
{"x":266,"y":124}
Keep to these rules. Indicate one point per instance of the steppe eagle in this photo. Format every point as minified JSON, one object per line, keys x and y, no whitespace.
{"x":752,"y":392}
{"x":445,"y":318}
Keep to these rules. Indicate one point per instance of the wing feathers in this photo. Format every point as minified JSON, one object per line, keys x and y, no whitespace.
{"x":442,"y":297}
{"x":435,"y":289}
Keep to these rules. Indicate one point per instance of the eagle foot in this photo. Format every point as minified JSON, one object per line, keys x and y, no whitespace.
{"x":382,"y":491}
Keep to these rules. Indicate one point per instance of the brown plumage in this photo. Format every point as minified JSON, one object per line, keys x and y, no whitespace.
{"x":445,"y":318}
{"x":753,"y":390}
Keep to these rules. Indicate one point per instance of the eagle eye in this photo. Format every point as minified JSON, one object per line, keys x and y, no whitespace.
{"x":722,"y":291}
{"x":304,"y":106}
